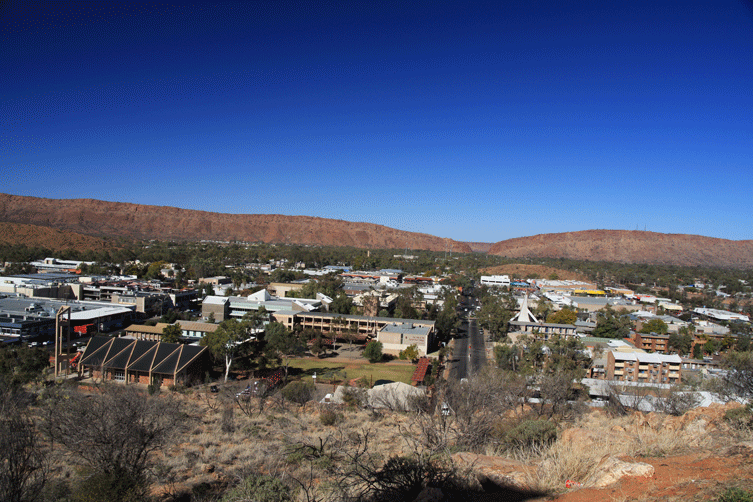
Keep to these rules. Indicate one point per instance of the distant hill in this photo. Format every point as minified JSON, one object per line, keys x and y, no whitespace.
{"x":480,"y":247}
{"x":115,"y":219}
{"x":37,"y":236}
{"x":77,"y":221}
{"x":627,"y":246}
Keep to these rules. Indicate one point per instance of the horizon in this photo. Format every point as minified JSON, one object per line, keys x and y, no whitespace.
{"x":478,"y":122}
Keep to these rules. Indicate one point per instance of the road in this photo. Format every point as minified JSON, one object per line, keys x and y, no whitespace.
{"x":469,"y":355}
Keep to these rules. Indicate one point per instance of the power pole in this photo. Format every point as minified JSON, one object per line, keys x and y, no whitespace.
{"x":60,"y":323}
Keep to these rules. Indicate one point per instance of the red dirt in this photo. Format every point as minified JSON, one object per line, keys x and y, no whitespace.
{"x":687,"y":477}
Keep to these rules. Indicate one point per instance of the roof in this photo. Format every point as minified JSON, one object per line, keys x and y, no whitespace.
{"x":407,"y":328}
{"x":140,"y":355}
{"x":216,"y":300}
{"x":647,"y":358}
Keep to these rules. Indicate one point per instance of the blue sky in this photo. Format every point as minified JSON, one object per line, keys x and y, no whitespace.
{"x":479,"y":121}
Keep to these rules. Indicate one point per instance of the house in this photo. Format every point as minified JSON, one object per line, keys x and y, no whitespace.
{"x":143,"y":361}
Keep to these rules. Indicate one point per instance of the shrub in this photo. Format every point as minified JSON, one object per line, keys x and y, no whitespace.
{"x":363,"y":383}
{"x":410,"y":353}
{"x":117,"y":486}
{"x":736,"y":495}
{"x":259,"y":489}
{"x":373,"y":351}
{"x":740,"y":418}
{"x":298,"y":392}
{"x":530,"y":433}
{"x":353,"y":397}
{"x":330,"y":417}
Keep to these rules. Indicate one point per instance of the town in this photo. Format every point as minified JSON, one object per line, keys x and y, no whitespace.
{"x":400,"y":340}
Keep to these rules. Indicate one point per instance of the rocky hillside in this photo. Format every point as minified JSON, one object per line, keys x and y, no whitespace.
{"x":113,"y":219}
{"x":626,"y":246}
{"x":45,"y":237}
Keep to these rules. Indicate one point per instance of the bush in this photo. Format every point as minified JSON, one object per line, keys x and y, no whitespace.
{"x":736,"y":495}
{"x":740,"y":418}
{"x":259,"y":489}
{"x":330,"y":417}
{"x":298,"y":392}
{"x":373,"y":351}
{"x":117,"y":486}
{"x":354,"y":397}
{"x":531,"y":433}
{"x":410,"y":353}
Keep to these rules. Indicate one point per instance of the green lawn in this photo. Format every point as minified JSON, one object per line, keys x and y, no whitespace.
{"x":393,"y":372}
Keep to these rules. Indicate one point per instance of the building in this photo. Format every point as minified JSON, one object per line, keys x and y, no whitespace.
{"x":643,"y":368}
{"x":653,"y":342}
{"x":146,"y":362}
{"x":721,"y":315}
{"x":29,"y":318}
{"x":397,"y":336}
{"x":361,"y":327}
{"x":226,"y":307}
{"x":499,"y":281}
{"x":525,"y":322}
{"x":192,"y":331}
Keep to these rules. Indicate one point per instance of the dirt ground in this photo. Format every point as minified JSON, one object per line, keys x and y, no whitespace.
{"x":681,"y":478}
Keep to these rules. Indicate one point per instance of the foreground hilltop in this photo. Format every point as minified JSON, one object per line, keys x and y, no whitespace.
{"x":626,"y":246}
{"x":118,"y":219}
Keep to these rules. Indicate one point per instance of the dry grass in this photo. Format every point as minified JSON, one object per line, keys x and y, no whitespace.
{"x":597,"y":437}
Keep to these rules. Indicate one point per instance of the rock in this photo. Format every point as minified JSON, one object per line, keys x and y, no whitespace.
{"x":612,"y":469}
{"x":207,"y":468}
{"x":500,"y":471}
{"x":430,"y":494}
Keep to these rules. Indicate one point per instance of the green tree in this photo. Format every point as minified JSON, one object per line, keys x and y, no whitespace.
{"x":410,"y":353}
{"x":680,"y":342}
{"x":611,"y":324}
{"x":564,"y":316}
{"x":172,"y":333}
{"x":226,"y":339}
{"x":373,"y":351}
{"x":283,"y":344}
{"x":21,"y":365}
{"x":495,"y":316}
{"x":655,"y":326}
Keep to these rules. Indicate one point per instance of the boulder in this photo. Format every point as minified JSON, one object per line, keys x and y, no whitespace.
{"x":502,"y":472}
{"x":611,"y":469}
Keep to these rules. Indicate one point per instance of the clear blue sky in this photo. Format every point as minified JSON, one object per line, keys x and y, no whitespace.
{"x":479,"y":121}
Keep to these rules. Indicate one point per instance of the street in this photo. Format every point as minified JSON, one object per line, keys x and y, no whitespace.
{"x":469,"y":355}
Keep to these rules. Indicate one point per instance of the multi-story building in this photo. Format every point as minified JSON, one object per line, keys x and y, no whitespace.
{"x":643,"y":368}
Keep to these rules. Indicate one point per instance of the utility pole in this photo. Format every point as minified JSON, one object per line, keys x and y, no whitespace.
{"x":60,"y":323}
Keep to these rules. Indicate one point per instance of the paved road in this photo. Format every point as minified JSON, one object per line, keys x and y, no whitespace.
{"x":469,"y":355}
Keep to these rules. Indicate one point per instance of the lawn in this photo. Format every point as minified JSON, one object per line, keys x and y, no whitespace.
{"x":386,"y":372}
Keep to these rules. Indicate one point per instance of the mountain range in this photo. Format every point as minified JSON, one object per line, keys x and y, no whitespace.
{"x":30,"y":220}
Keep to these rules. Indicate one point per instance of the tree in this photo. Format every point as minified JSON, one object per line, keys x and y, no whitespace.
{"x":172,"y":333}
{"x":283,"y":344}
{"x":22,"y":457}
{"x":373,"y":351}
{"x":654,"y":326}
{"x":113,"y":432}
{"x":738,"y":380}
{"x":224,"y":341}
{"x":680,"y":342}
{"x":611,"y":324}
{"x":20,"y":365}
{"x":494,"y":316}
{"x":410,"y":353}
{"x":564,"y":316}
